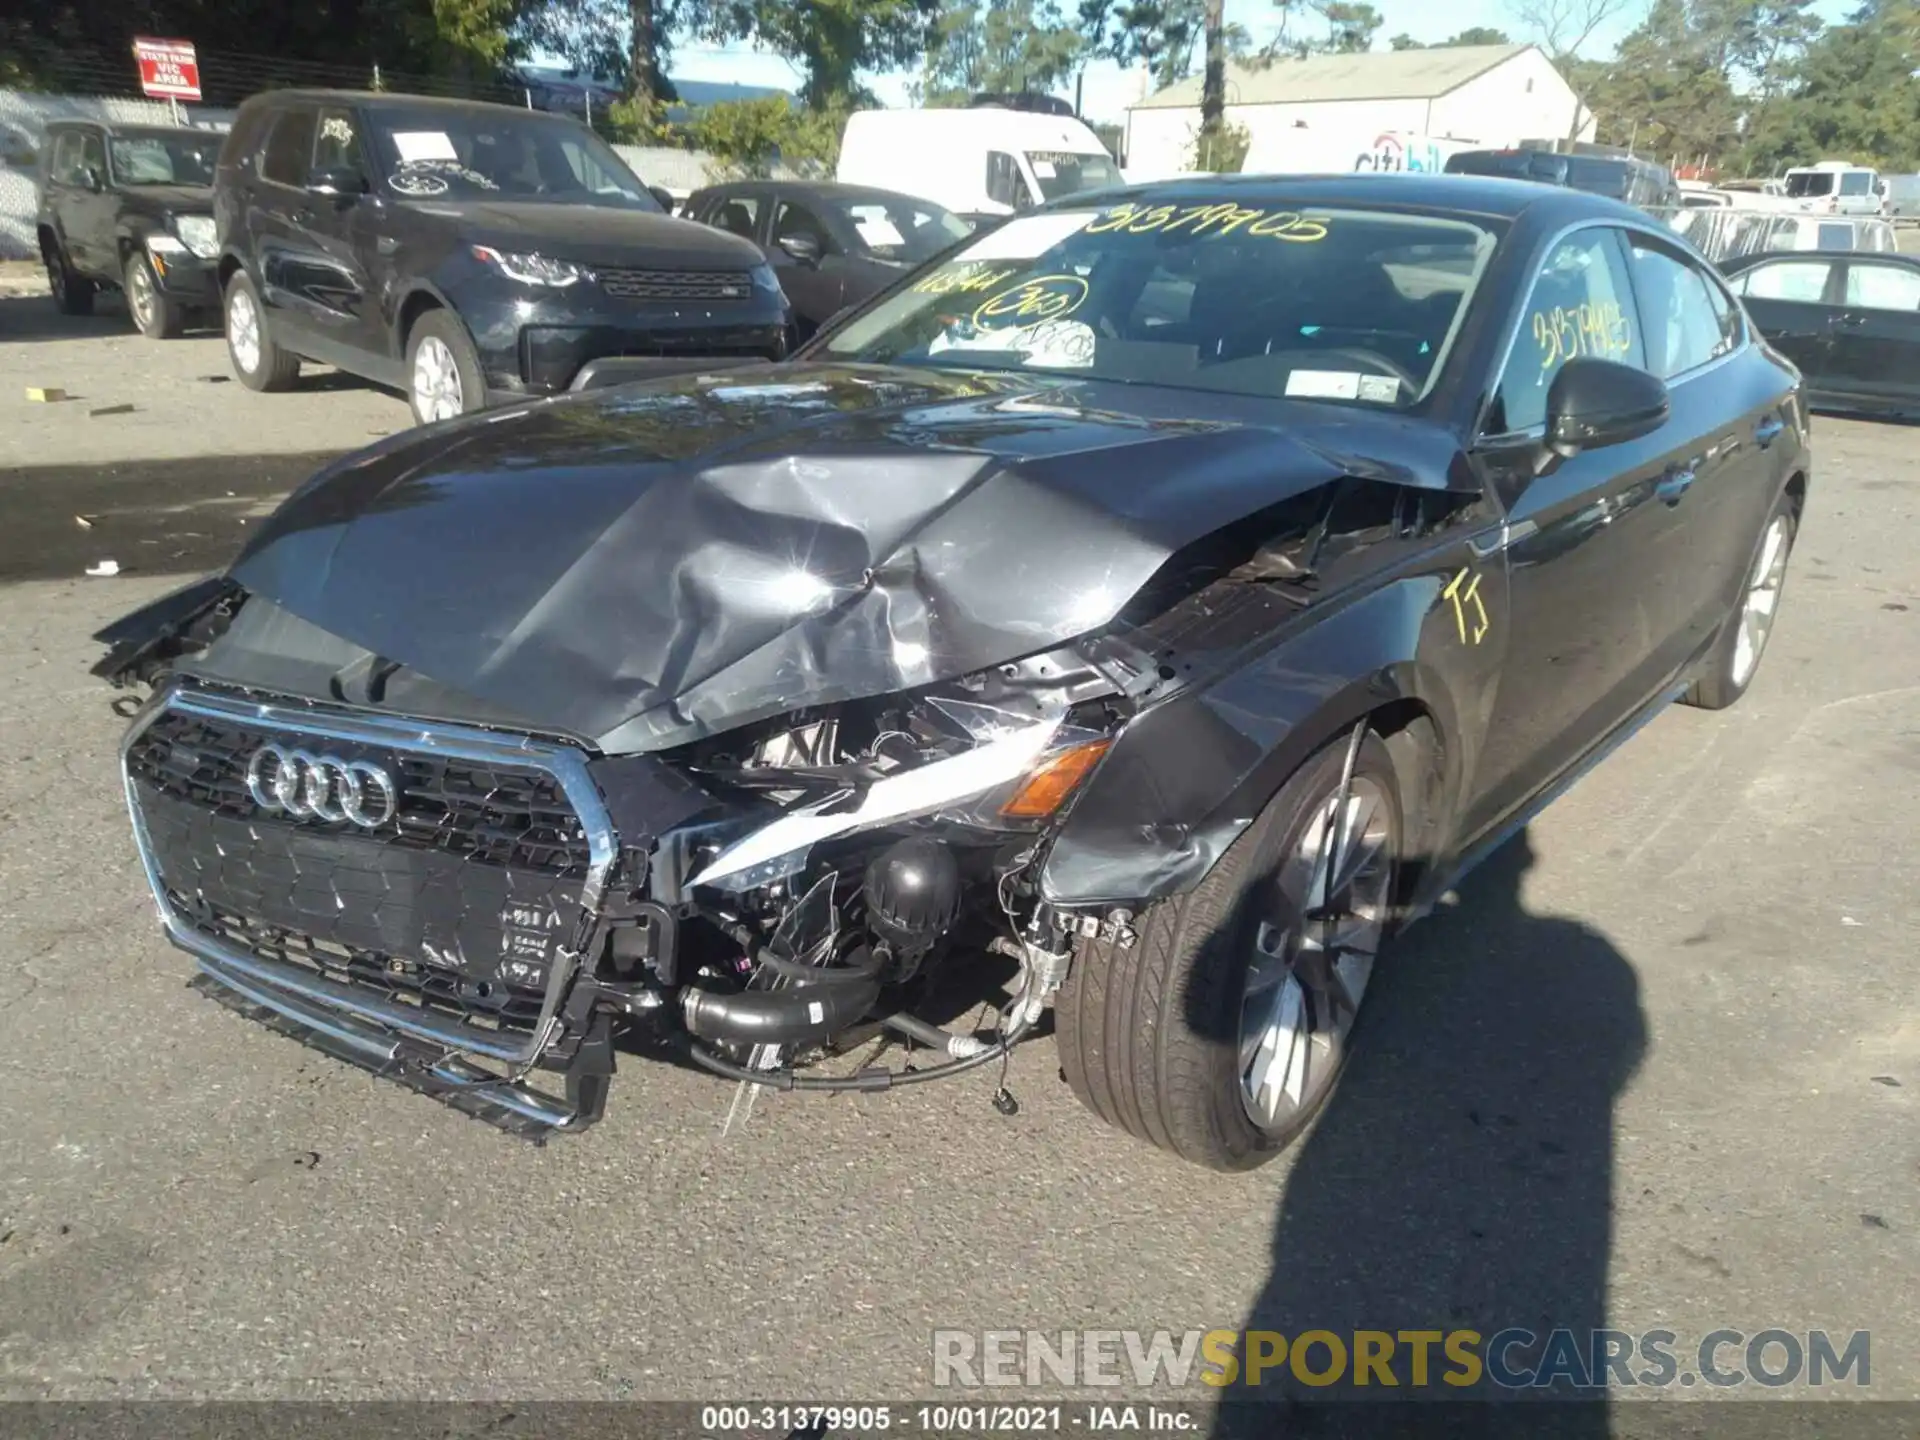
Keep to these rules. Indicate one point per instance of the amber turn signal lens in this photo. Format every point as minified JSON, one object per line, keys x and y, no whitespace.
{"x":1046,"y":789}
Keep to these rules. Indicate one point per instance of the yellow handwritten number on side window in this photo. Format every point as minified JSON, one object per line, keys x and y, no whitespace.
{"x":1598,"y":329}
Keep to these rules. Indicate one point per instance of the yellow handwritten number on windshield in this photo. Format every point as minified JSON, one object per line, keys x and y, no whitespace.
{"x":1221,"y":219}
{"x":1045,"y":297}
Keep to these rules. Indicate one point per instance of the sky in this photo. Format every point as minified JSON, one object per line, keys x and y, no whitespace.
{"x":1109,"y":90}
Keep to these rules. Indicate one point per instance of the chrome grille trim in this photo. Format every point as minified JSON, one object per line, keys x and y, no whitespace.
{"x":222,"y":962}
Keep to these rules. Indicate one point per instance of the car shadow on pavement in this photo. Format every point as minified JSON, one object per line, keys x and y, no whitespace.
{"x":33,"y":317}
{"x":1461,"y":1178}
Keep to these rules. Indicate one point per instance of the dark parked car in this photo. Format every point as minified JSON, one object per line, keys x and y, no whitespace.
{"x":831,"y":245}
{"x":130,"y":206}
{"x":1619,"y":177}
{"x":468,"y":253}
{"x":1177,"y":657}
{"x":1850,"y":321}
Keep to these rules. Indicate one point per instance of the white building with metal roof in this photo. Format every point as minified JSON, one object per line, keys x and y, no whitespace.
{"x":1483,"y":95}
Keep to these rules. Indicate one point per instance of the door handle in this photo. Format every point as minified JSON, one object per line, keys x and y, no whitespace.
{"x":1852,"y":322}
{"x":1768,"y":431}
{"x":1673,"y":485}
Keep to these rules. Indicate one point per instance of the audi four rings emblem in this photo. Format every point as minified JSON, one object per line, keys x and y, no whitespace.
{"x":321,"y":787}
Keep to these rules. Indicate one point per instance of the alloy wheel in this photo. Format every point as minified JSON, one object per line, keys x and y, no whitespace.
{"x":1762,"y":600}
{"x":243,"y":331}
{"x":1313,"y":955}
{"x":436,"y":381}
{"x":140,"y":297}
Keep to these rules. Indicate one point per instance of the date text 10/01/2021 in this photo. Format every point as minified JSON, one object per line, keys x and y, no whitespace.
{"x":961,"y":1419}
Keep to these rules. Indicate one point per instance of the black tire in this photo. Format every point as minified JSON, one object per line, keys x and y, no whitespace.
{"x":72,"y":293}
{"x":155,"y":314}
{"x":273,"y":368}
{"x":1728,"y":670}
{"x":1149,"y":1035}
{"x":444,"y":328}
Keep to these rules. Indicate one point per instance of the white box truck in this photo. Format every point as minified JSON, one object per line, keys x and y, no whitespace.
{"x":976,"y":162}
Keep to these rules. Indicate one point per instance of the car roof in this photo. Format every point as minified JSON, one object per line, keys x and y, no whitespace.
{"x":1484,"y":196}
{"x":1890,"y":257}
{"x":388,"y":99}
{"x":812,"y":189}
{"x":119,"y":129}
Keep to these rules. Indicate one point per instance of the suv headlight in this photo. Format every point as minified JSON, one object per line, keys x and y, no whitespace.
{"x":531,"y":269}
{"x":197,"y":233}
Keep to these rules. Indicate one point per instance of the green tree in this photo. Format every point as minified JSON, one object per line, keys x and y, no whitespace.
{"x":1163,"y":35}
{"x":1323,"y":27}
{"x":750,"y":137}
{"x":1472,"y":35}
{"x":833,"y":41}
{"x":1854,"y":95}
{"x":1000,"y":47}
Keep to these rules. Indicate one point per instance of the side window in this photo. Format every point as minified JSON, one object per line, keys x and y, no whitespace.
{"x":1804,"y":281}
{"x":1856,"y":182}
{"x":66,"y":158}
{"x":791,"y":219}
{"x":289,"y":148}
{"x":738,"y":213}
{"x":1883,"y":287}
{"x":1580,"y":305}
{"x":1684,"y":328}
{"x":337,"y":146}
{"x":93,"y":156}
{"x":1003,"y":179}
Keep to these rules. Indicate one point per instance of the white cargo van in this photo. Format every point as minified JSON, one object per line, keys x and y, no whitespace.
{"x":976,"y":162}
{"x":1834,"y":187}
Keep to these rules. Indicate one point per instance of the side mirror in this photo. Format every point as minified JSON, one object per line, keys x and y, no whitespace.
{"x":803,"y":248}
{"x":1596,"y":403}
{"x":342,"y":182}
{"x":662,"y":197}
{"x":90,"y":177}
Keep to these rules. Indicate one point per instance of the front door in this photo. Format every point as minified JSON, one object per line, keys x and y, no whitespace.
{"x":1587,"y":603}
{"x":814,"y":284}
{"x":1876,"y":334}
{"x":89,"y":210}
{"x":336,"y":281}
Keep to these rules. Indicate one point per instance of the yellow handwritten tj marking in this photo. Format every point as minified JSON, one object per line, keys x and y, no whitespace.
{"x":1465,"y":595}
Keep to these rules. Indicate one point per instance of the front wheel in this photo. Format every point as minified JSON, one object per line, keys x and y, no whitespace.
{"x":443,"y":369}
{"x":260,"y":364}
{"x":1736,"y":658}
{"x":156,"y":314}
{"x":1220,"y":1032}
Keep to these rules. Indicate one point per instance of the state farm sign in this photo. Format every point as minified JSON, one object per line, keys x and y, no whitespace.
{"x":169,"y":70}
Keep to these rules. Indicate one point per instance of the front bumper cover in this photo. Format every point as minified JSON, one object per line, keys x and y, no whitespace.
{"x":479,"y":1070}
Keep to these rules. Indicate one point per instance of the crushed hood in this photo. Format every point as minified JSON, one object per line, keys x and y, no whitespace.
{"x":642,"y":566}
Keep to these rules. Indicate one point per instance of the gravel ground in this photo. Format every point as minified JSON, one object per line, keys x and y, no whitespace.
{"x":1656,"y":1068}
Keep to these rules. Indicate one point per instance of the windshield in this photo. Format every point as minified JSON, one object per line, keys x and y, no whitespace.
{"x":1066,"y":172}
{"x":185,"y":159}
{"x":1344,"y":304}
{"x":896,"y":228}
{"x":499,"y":155}
{"x":1802,"y":184}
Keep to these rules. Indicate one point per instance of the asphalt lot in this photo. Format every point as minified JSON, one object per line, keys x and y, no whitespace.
{"x":1658,"y":1067}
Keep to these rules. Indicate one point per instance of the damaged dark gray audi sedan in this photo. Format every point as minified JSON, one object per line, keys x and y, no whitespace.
{"x":1164,"y":597}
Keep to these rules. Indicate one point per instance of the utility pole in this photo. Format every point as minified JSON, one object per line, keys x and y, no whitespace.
{"x":1213,"y":89}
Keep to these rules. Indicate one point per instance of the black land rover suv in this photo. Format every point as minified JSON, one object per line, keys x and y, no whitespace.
{"x":131,"y":206}
{"x":464,"y":252}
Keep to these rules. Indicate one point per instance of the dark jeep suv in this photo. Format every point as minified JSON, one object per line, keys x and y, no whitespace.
{"x":130,"y":206}
{"x":466,"y":253}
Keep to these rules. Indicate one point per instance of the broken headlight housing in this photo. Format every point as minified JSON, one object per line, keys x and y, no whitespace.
{"x":1002,"y":751}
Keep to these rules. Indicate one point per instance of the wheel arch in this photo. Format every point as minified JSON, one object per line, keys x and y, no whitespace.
{"x":1187,"y":777}
{"x":415,"y":303}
